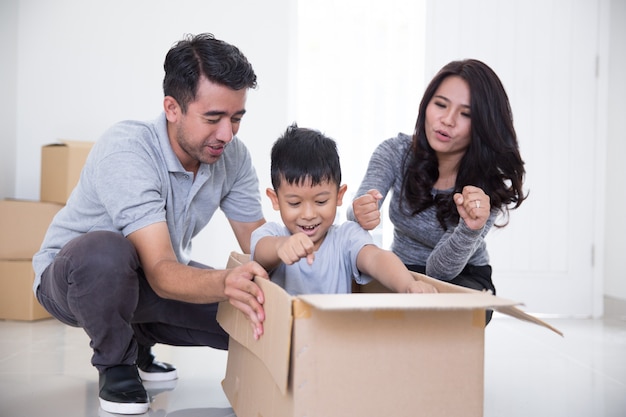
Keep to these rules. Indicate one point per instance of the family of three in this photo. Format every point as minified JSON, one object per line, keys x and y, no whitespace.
{"x":115,"y":260}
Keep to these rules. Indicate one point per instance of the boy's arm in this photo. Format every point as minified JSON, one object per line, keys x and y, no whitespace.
{"x":265,"y":252}
{"x":272,"y":250}
{"x":385,"y":267}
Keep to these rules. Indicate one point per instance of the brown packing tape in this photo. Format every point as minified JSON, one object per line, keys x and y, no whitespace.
{"x":301,"y":310}
{"x":478,"y":318}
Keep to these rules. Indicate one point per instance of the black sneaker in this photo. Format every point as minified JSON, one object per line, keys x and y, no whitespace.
{"x":151,"y":370}
{"x":121,"y":391}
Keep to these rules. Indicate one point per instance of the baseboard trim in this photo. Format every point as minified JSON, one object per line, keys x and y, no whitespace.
{"x":614,"y":308}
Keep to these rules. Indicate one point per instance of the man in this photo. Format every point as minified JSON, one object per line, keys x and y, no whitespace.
{"x":115,"y":260}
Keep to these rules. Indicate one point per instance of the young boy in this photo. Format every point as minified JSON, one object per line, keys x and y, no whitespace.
{"x":309,"y":254}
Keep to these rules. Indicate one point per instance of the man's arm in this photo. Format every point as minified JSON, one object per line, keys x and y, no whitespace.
{"x":173,"y":280}
{"x":243,"y":230}
{"x":385,"y":267}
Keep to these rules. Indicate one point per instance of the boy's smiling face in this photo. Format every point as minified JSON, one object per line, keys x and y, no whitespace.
{"x":306,"y":208}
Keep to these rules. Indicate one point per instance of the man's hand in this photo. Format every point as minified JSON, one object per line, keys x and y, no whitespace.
{"x":366,"y":209}
{"x":245,"y":295}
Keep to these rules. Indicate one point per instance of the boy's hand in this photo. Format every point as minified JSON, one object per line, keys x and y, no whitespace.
{"x":296,"y":247}
{"x":420,"y":287}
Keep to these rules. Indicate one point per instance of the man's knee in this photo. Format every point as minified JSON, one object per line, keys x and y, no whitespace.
{"x":101,"y":259}
{"x":110,"y":245}
{"x":108,"y":248}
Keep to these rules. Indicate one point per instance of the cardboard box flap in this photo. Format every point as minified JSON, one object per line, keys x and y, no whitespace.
{"x":519,"y":314}
{"x":274,"y":347}
{"x":510,"y":310}
{"x":235,"y":259}
{"x":441,"y":301}
{"x":443,"y":286}
{"x":395,"y":301}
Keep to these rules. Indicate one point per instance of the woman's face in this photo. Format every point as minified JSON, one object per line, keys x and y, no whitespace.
{"x":448,"y":123}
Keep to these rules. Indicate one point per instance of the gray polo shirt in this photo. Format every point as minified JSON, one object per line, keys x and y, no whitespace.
{"x":133,"y":179}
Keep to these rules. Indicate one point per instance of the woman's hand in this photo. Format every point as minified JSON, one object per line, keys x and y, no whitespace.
{"x":366,"y":209}
{"x":473,"y":206}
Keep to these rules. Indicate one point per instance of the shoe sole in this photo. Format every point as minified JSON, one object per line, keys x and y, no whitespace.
{"x":124,"y":408}
{"x":154,"y":387}
{"x":158,"y":376}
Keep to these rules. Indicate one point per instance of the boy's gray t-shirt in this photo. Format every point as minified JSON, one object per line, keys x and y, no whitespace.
{"x":132,"y":179}
{"x":334,"y":266}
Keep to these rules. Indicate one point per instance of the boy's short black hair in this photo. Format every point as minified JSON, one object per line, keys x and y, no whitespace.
{"x":302,"y":154}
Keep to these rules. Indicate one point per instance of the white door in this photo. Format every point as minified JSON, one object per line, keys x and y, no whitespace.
{"x":545,"y":53}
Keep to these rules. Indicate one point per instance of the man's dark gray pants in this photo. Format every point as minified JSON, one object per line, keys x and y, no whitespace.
{"x":96,"y":282}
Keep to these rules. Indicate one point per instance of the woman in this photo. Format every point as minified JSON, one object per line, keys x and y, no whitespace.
{"x":451,"y":179}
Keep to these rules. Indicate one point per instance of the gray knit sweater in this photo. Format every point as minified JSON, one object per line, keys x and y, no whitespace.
{"x":420,"y":239}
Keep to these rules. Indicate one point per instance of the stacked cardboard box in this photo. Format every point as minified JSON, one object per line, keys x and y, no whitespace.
{"x":361,"y":354}
{"x":24,"y":223}
{"x":61,"y":164}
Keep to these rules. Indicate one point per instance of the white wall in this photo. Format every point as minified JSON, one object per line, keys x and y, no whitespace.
{"x":8,"y":86}
{"x":71,"y":68}
{"x":84,"y":65}
{"x":615,"y":229}
{"x":546,"y":54}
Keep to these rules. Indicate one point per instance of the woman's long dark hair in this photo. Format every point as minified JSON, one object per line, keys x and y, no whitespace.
{"x":492,"y":160}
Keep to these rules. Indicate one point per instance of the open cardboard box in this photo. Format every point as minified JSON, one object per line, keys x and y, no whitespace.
{"x":361,"y":354}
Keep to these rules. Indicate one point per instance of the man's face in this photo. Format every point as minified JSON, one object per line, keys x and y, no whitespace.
{"x":201,"y":134}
